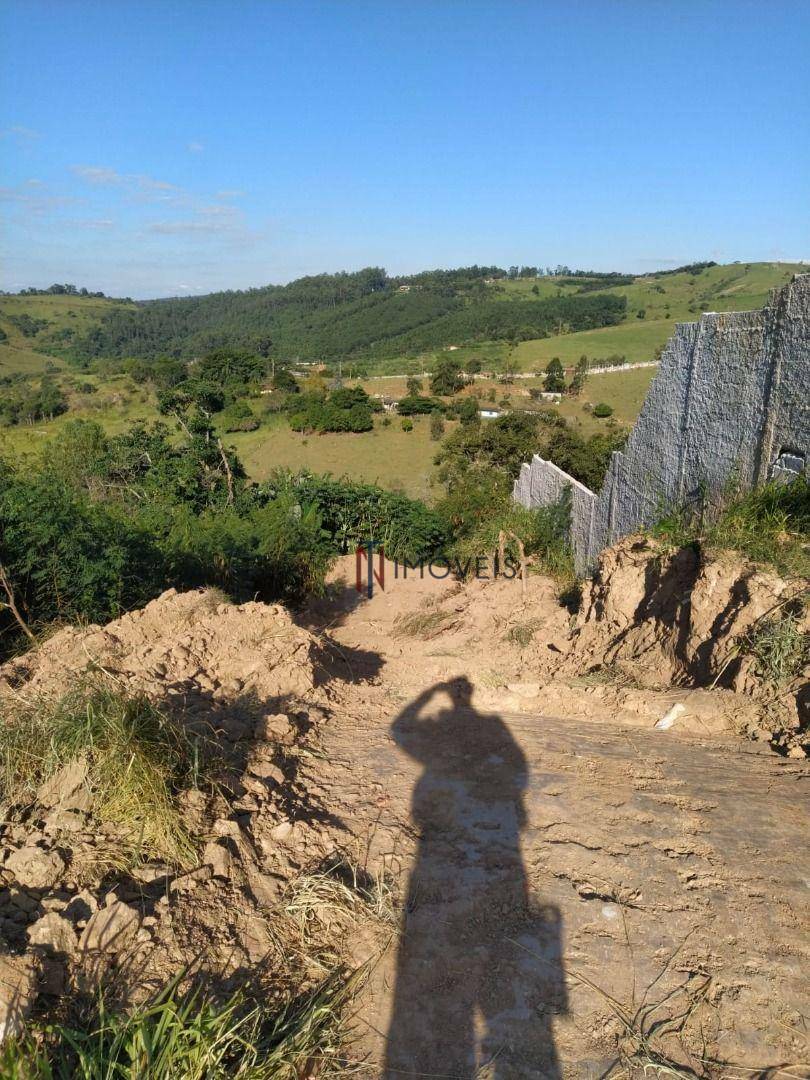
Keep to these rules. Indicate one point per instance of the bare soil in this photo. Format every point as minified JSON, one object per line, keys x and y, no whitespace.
{"x":572,"y":886}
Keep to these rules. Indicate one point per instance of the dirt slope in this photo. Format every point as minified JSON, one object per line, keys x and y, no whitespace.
{"x":495,"y":762}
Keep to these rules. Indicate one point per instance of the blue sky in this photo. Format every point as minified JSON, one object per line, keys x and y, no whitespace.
{"x":174,"y":147}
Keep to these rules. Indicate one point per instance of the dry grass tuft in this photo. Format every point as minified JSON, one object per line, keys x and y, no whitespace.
{"x":136,"y":758}
{"x":425,"y":624}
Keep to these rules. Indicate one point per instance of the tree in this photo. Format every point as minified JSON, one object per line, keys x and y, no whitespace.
{"x":436,"y":426}
{"x":447,"y":378}
{"x":554,"y":382}
{"x":473,"y":366}
{"x":580,"y":376}
{"x":285,"y":380}
{"x":468,"y":411}
{"x":413,"y":385}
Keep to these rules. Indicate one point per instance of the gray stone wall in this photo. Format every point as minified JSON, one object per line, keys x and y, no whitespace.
{"x":729,"y":407}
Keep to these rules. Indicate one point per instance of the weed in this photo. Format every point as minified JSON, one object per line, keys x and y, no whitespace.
{"x":136,"y":757}
{"x":607,"y":675}
{"x":769,"y":526}
{"x":424,"y":624}
{"x":521,"y":634}
{"x":324,"y":907}
{"x":779,"y":647}
{"x":186,"y":1035}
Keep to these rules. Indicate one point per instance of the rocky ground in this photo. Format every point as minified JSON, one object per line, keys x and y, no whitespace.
{"x":568,"y":828}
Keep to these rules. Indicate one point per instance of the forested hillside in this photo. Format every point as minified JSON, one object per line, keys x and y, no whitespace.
{"x":371,"y":316}
{"x":342,"y":315}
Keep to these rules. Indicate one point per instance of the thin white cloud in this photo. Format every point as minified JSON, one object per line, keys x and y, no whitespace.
{"x":20,"y":133}
{"x":195,"y":147}
{"x":229,"y":193}
{"x":93,"y":223}
{"x":191,"y":228}
{"x":37,"y":201}
{"x":97,"y":174}
{"x":136,"y":183}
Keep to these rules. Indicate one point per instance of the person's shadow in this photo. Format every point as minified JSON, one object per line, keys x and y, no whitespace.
{"x":479,"y":971}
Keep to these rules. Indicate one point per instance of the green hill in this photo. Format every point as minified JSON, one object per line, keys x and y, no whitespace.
{"x":34,"y":329}
{"x":385,"y":322}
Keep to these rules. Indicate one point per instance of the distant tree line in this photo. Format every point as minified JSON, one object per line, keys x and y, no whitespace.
{"x":689,"y":268}
{"x":61,"y":290}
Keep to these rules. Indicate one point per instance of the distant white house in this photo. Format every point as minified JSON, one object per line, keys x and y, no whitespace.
{"x":490,"y":414}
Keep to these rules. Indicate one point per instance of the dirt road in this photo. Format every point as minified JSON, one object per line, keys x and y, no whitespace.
{"x":566,"y":887}
{"x":532,"y":856}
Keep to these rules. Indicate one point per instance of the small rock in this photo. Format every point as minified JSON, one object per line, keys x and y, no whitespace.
{"x":796,"y":752}
{"x":17,"y":993}
{"x":110,"y":929}
{"x":669,"y":718}
{"x":61,"y":788}
{"x":218,"y":857}
{"x":53,"y":932}
{"x":189,"y":882}
{"x":275,"y":727}
{"x":266,"y":770}
{"x":35,"y":867}
{"x":282,"y":831}
{"x":62,"y":820}
{"x":226,"y":827}
{"x":81,"y":907}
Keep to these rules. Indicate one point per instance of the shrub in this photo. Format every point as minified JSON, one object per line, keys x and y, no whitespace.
{"x":418,"y":406}
{"x":352,"y":513}
{"x":406,"y":424}
{"x":602,"y":410}
{"x":238,"y":417}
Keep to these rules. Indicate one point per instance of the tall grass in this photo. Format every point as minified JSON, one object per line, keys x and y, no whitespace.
{"x":544,"y":533}
{"x":136,"y":758}
{"x":770,"y":526}
{"x":186,"y":1035}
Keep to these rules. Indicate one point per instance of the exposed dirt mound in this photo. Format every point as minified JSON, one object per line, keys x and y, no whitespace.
{"x":191,"y":645}
{"x":78,"y":910}
{"x":693,"y":619}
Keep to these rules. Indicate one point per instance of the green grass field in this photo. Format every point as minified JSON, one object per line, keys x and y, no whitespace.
{"x":23,"y":359}
{"x":396,"y":459}
{"x":636,"y":342}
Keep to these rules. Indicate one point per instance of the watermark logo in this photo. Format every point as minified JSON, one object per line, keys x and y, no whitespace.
{"x":440,"y":567}
{"x":367,"y":550}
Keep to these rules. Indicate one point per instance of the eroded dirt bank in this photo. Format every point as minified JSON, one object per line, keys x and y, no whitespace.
{"x":558,"y":874}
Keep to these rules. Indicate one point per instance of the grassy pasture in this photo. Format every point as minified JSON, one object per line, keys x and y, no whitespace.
{"x":24,"y":359}
{"x":30,"y":354}
{"x":396,"y":459}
